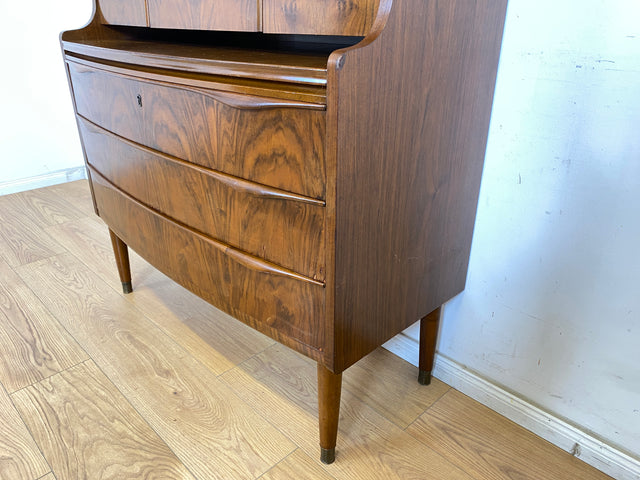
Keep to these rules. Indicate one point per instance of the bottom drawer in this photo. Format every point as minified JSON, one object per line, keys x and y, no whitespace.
{"x":279,"y":303}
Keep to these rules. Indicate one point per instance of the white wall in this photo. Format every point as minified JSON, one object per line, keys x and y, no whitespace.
{"x":551,"y":311}
{"x":38,"y":134}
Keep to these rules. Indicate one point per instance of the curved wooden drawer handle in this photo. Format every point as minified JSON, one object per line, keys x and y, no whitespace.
{"x":247,"y":260}
{"x":235,"y":100}
{"x":231,"y":181}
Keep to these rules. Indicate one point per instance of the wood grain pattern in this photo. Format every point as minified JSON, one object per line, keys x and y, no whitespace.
{"x":297,"y":466}
{"x":280,"y":147}
{"x":43,"y":207}
{"x":124,"y":12}
{"x":77,"y":193}
{"x":319,"y":17}
{"x":88,"y":239}
{"x":406,"y":198}
{"x":19,"y":454}
{"x":87,"y":429}
{"x":281,"y":306}
{"x":279,"y":385}
{"x":494,"y":448}
{"x":257,"y":220}
{"x":388,"y":385}
{"x":21,"y":238}
{"x":237,"y":15}
{"x":209,"y":429}
{"x":33,"y":344}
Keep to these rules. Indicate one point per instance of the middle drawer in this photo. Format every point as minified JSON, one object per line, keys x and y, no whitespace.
{"x":283,"y":228}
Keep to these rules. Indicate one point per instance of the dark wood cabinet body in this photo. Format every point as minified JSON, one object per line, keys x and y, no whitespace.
{"x":320,"y":189}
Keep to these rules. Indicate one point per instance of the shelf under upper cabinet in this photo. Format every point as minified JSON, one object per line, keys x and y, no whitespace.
{"x":306,"y":68}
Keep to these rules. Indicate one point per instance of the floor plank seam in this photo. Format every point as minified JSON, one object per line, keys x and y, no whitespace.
{"x":144,"y":419}
{"x":48,"y":377}
{"x":276,"y":464}
{"x":428,"y":408}
{"x":33,"y":438}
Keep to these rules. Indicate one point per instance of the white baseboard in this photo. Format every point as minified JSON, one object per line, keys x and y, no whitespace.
{"x":591,"y":450}
{"x":46,"y":180}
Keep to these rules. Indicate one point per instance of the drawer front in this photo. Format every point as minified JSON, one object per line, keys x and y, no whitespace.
{"x":124,"y":12}
{"x":282,"y":147}
{"x":319,"y":17}
{"x":288,"y":309}
{"x":235,"y":15}
{"x":261,"y":221}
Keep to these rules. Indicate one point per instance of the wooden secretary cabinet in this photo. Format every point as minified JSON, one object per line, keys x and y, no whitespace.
{"x":310,"y":167}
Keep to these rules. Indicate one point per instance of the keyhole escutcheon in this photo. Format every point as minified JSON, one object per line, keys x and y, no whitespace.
{"x":139,"y":97}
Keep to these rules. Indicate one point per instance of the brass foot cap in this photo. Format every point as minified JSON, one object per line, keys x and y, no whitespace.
{"x":327,"y":455}
{"x":424,"y":377}
{"x":126,"y":287}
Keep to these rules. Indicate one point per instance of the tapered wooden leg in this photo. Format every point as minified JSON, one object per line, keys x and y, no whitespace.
{"x":428,"y":337}
{"x":121,"y":253}
{"x":329,"y":387}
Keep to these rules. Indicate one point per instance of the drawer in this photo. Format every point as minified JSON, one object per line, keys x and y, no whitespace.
{"x":286,"y":307}
{"x":274,"y":145}
{"x":283,"y":228}
{"x":235,"y":15}
{"x":319,"y":17}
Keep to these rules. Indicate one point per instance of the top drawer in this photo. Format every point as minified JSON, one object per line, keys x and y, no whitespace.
{"x":274,"y":145}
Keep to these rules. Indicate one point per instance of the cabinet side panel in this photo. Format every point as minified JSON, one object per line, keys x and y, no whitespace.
{"x":412,"y":116}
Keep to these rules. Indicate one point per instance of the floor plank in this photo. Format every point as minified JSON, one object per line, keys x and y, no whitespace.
{"x":217,"y":340}
{"x":77,"y":192}
{"x":390,"y":386}
{"x":280,"y":385}
{"x":20,"y":458}
{"x":209,"y":428}
{"x":44,"y":206}
{"x":491,"y":447}
{"x":297,"y":466}
{"x":22,"y":240}
{"x":86,"y":429}
{"x":33,"y":344}
{"x":161,"y":347}
{"x":88,"y":240}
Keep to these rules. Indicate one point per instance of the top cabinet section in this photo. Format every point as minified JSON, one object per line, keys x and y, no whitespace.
{"x":124,"y":12}
{"x":311,"y":17}
{"x":319,"y":17}
{"x":234,"y":15}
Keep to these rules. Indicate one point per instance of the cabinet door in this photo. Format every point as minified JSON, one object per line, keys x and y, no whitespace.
{"x":124,"y":12}
{"x":319,"y":17}
{"x":236,"y":15}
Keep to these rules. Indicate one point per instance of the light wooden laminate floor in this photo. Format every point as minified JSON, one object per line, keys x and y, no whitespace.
{"x":156,"y":384}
